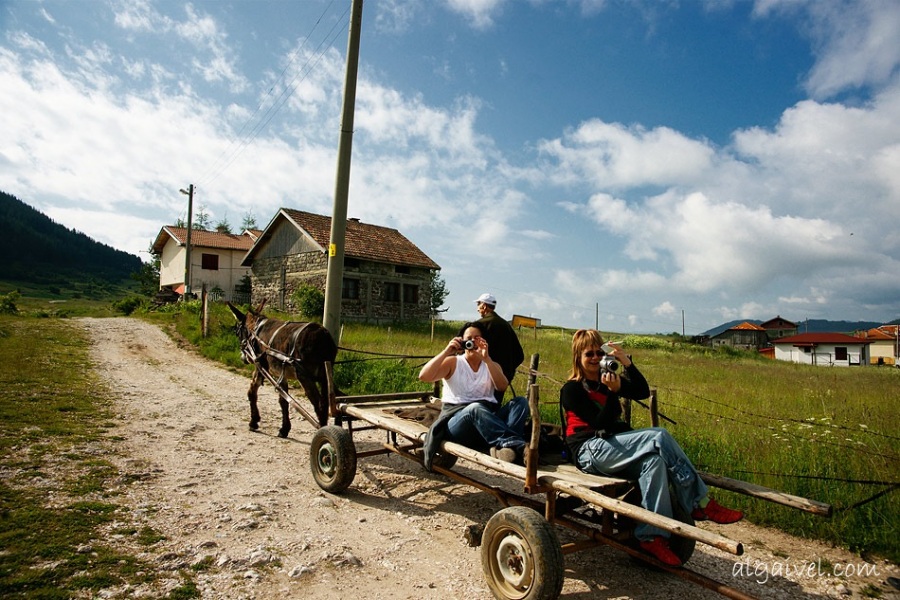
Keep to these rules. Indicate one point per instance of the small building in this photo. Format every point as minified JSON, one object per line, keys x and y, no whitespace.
{"x":215,"y":261}
{"x":779,"y":327}
{"x":746,"y":336}
{"x":885,"y":344}
{"x":386,"y":277}
{"x":831,"y":349}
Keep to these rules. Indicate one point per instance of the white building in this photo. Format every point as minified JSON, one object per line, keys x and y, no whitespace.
{"x":215,"y":260}
{"x":831,"y":349}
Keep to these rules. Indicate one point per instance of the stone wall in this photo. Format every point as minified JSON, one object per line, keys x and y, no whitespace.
{"x":277,"y":278}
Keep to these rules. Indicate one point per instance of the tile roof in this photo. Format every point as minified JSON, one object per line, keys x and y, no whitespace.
{"x":747,"y":326}
{"x":814,"y":339}
{"x":203,"y":239}
{"x":875,"y":335}
{"x":361,"y":240}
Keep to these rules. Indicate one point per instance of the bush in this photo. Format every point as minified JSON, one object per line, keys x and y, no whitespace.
{"x":309,"y":301}
{"x":8,"y":303}
{"x":128,"y":305}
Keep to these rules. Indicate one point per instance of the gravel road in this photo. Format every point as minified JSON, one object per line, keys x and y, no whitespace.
{"x":243,"y":511}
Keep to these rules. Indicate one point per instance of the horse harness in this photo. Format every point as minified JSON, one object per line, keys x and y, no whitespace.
{"x":249,"y":354}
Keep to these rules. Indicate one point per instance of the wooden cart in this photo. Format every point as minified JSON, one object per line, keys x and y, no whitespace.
{"x":521,"y":555}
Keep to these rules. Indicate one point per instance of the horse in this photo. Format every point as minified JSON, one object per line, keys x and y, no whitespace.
{"x":284,"y":349}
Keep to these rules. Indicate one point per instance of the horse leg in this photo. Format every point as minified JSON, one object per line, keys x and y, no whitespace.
{"x":285,"y":411}
{"x":319,"y":403}
{"x":251,"y":396}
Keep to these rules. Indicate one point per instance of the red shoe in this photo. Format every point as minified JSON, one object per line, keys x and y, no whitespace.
{"x":659,"y":549}
{"x":717,"y":513}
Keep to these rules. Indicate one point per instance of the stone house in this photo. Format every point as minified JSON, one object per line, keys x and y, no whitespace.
{"x":386,"y":277}
{"x":215,"y":260}
{"x":746,"y":335}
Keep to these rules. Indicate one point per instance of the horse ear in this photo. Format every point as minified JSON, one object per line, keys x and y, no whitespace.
{"x":241,"y":317}
{"x":262,"y":305}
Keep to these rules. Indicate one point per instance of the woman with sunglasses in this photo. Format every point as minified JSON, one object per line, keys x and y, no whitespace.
{"x":601,"y":443}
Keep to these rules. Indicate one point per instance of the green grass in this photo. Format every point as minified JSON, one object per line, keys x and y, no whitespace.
{"x":816,"y":432}
{"x":55,"y":493}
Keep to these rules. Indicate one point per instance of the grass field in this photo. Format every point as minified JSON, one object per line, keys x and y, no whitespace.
{"x":58,"y":492}
{"x":827,"y":433}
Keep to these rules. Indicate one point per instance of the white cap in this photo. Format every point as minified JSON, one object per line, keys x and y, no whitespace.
{"x":487,"y":299}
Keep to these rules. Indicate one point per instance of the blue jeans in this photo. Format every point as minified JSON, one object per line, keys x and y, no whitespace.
{"x":654,"y":458}
{"x":478,"y":426}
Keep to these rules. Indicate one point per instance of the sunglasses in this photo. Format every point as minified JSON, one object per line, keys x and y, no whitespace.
{"x":593,"y":353}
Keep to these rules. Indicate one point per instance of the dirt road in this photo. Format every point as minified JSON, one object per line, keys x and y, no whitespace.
{"x":242,"y":510}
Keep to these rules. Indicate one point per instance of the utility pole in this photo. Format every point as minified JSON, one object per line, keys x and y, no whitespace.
{"x":335,"y":275}
{"x":187,"y":243}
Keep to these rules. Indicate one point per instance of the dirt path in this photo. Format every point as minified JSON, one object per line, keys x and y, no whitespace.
{"x":243,"y":510}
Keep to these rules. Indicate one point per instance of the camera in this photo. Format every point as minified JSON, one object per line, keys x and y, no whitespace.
{"x":609,"y":364}
{"x":467,"y":344}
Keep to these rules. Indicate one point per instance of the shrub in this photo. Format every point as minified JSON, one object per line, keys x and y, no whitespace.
{"x":8,"y":303}
{"x":309,"y":301}
{"x":128,"y":305}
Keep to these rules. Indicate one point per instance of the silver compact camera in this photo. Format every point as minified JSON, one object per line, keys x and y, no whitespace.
{"x":609,"y":364}
{"x":467,"y":344}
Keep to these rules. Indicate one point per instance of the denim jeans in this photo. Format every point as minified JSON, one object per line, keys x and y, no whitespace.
{"x":478,"y":426}
{"x":654,"y":458}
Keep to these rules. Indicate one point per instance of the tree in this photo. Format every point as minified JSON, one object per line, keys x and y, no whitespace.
{"x":437,"y":290}
{"x":249,"y":221}
{"x":223,"y":226}
{"x":148,"y":276}
{"x":202,"y":220}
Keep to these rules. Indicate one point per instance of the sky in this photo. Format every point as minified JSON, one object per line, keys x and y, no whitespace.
{"x":645,"y":166}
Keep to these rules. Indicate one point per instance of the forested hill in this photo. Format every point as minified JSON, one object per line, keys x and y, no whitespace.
{"x":39,"y":250}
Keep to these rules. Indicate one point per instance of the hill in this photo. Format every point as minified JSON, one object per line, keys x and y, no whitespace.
{"x":807,"y":326}
{"x":37,"y":250}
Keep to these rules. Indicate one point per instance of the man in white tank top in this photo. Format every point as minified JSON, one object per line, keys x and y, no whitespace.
{"x":470,"y":414}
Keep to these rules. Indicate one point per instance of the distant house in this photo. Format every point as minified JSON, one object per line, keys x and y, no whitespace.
{"x":779,"y":328}
{"x":832,"y":349}
{"x":215,"y":260}
{"x":386,"y":277}
{"x":884,"y":344}
{"x":745,"y":335}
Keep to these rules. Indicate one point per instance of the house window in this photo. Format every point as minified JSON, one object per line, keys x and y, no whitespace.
{"x":350,"y":289}
{"x":209,"y":262}
{"x":410,"y":294}
{"x":351,"y":263}
{"x":391,"y":292}
{"x":840,"y":353}
{"x":401,"y":269}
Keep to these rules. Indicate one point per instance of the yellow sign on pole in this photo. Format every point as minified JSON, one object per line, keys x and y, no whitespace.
{"x":332,"y":250}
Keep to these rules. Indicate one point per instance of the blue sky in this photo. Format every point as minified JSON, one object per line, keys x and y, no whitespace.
{"x":648,"y":165}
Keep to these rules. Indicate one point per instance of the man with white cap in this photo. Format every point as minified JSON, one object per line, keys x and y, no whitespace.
{"x":504,"y":343}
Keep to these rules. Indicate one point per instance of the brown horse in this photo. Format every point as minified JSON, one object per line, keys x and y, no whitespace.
{"x":285,"y":349}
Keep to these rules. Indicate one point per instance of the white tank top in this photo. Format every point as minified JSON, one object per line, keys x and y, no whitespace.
{"x":466,"y":386}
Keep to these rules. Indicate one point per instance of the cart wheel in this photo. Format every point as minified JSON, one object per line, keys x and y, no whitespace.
{"x":682,"y":547}
{"x":332,"y":458}
{"x":521,"y":557}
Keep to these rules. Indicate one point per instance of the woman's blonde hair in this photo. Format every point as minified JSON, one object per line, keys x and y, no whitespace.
{"x":584,"y":339}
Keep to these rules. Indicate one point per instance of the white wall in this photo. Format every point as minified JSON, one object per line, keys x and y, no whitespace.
{"x":823,"y":355}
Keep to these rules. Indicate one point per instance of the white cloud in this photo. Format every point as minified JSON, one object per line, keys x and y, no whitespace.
{"x":664,"y":309}
{"x":855,"y":42}
{"x":480,"y":13}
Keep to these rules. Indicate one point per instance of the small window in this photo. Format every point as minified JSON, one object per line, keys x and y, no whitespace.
{"x":391,"y":292}
{"x":350,"y":289}
{"x":401,"y":269}
{"x":351,"y":263}
{"x":209,"y":262}
{"x":410,"y":294}
{"x":840,"y":353}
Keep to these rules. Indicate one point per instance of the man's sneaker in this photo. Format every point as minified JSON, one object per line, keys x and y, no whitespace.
{"x":504,"y":454}
{"x":659,"y":549}
{"x":717,"y":513}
